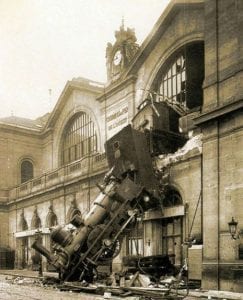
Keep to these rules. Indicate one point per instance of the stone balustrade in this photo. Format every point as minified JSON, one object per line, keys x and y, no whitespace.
{"x":87,"y":166}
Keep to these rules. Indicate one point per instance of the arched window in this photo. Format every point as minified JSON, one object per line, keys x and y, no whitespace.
{"x":36,"y":221}
{"x":181,"y":78}
{"x":27,"y":170}
{"x":135,"y":240}
{"x":22,"y":243}
{"x":172,"y":198}
{"x":35,"y":224}
{"x":23,"y":225}
{"x":51,"y":219}
{"x":173,"y":83}
{"x":73,"y":210}
{"x":80,"y":138}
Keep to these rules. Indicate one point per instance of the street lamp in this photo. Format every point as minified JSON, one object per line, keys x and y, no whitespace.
{"x":233,"y":229}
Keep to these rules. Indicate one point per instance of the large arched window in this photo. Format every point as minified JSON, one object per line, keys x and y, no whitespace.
{"x":80,"y":138}
{"x":181,"y":77}
{"x":173,"y":83}
{"x":27,"y":170}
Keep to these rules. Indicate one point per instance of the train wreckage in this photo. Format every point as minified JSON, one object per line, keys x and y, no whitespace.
{"x":127,"y":191}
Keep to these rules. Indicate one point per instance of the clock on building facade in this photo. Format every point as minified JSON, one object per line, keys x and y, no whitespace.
{"x":117,"y":58}
{"x":119,"y":55}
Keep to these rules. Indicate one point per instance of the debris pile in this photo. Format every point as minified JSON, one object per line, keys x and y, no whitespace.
{"x":149,"y":277}
{"x":139,"y":285}
{"x":192,"y":146}
{"x":21,"y":280}
{"x":128,"y":285}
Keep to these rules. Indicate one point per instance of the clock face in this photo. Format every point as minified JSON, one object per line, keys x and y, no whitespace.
{"x":117,"y":57}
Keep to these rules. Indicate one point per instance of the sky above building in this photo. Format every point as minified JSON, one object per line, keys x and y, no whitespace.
{"x":45,"y":43}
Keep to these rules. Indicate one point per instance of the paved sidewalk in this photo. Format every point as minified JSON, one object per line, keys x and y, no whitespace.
{"x":213,"y":294}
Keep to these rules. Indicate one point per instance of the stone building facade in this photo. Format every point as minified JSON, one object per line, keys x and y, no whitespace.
{"x":183,"y":84}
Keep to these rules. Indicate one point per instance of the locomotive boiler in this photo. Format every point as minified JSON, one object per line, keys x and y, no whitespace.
{"x":128,"y":189}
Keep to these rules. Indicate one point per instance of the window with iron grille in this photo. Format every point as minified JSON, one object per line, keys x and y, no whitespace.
{"x":173,"y":83}
{"x":172,"y":228}
{"x":135,"y":240}
{"x":80,"y":138}
{"x":181,"y":78}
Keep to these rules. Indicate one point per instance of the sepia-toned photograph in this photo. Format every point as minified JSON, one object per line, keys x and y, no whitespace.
{"x":121,"y":149}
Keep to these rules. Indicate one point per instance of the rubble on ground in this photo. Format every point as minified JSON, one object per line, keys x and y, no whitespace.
{"x":23,"y":280}
{"x":150,"y":277}
{"x":127,"y":285}
{"x":120,"y":285}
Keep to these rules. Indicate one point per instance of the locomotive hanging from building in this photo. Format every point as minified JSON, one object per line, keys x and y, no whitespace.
{"x":128,"y":189}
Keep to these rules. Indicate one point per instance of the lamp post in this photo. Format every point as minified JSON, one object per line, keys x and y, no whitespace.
{"x":235,"y":234}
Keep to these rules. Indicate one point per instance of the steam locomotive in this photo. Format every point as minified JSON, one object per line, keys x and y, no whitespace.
{"x":128,"y":189}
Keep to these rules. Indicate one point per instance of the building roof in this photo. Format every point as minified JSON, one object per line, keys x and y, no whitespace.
{"x":41,"y":124}
{"x":157,"y":30}
{"x":79,"y":83}
{"x":37,"y":124}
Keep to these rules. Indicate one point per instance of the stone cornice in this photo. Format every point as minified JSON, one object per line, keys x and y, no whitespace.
{"x":3,"y":208}
{"x":12,"y":128}
{"x":116,"y":86}
{"x":218,"y":112}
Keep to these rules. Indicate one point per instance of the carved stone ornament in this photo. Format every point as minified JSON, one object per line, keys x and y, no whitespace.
{"x":119,"y":55}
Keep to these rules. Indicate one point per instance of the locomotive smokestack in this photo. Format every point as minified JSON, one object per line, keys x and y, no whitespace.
{"x":42,"y":250}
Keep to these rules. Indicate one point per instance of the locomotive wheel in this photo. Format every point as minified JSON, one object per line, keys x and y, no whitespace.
{"x":109,"y":251}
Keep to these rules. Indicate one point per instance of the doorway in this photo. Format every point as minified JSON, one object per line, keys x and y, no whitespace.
{"x":24,"y":255}
{"x":172,"y":239}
